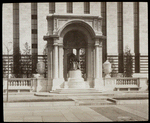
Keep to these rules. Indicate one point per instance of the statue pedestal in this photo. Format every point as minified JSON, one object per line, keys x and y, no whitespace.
{"x":75,"y":79}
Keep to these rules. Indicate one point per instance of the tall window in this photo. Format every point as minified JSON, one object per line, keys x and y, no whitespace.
{"x":69,"y":7}
{"x":86,"y":7}
{"x":120,"y":36}
{"x":104,"y":29}
{"x":136,"y":37}
{"x":52,"y":7}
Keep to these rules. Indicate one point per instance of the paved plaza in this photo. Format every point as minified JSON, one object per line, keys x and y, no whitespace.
{"x":68,"y":111}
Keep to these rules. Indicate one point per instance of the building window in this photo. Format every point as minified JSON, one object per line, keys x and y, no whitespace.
{"x":52,"y":7}
{"x":136,"y":37}
{"x":69,"y":7}
{"x":104,"y":28}
{"x":120,"y":36}
{"x":86,"y":7}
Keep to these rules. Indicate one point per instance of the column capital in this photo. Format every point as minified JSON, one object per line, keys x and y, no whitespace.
{"x":97,"y":42}
{"x":60,"y":44}
{"x":55,"y":41}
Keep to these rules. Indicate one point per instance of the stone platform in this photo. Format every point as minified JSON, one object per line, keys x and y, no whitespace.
{"x":75,"y":80}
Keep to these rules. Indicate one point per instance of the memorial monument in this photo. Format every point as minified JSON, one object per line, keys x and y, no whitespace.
{"x":75,"y":79}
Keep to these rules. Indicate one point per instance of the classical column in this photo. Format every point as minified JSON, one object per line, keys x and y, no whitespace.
{"x":97,"y":58}
{"x":50,"y":63}
{"x":100,"y":59}
{"x":98,"y":82}
{"x":55,"y":59}
{"x":65,"y":64}
{"x":89,"y":64}
{"x":60,"y":61}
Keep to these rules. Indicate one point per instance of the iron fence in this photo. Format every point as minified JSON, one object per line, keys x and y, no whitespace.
{"x":26,"y":70}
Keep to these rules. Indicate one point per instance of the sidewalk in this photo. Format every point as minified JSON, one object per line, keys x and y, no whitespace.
{"x":62,"y":109}
{"x":66,"y":113}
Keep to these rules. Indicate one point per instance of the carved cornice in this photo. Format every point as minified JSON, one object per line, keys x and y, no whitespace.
{"x":70,"y":16}
{"x":47,"y":37}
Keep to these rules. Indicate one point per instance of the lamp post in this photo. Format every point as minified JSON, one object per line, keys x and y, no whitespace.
{"x":8,"y":66}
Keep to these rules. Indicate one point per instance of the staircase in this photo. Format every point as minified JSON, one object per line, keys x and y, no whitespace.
{"x":86,"y":97}
{"x":75,"y":91}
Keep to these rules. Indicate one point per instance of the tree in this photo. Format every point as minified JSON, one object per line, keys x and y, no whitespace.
{"x":17,"y":65}
{"x":113,"y":72}
{"x":128,"y":65}
{"x":26,"y":61}
{"x":45,"y":58}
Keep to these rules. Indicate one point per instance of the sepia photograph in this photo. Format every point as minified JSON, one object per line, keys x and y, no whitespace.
{"x":75,"y":61}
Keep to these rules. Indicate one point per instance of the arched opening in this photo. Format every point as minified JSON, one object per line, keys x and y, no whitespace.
{"x":74,"y":44}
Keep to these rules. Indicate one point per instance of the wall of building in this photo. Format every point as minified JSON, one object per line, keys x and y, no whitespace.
{"x":143,"y":25}
{"x":112,"y":34}
{"x":78,"y":8}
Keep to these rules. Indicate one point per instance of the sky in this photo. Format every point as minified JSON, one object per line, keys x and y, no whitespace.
{"x":24,"y":25}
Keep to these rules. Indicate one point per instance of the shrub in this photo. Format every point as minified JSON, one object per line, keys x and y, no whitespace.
{"x":128,"y":65}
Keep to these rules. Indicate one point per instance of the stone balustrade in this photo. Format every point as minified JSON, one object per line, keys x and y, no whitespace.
{"x":19,"y":84}
{"x":127,"y":81}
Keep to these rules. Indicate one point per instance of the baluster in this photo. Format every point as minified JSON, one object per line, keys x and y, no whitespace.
{"x":19,"y":83}
{"x":11,"y":83}
{"x":136,"y":81}
{"x":27,"y":82}
{"x":24,"y":83}
{"x":132,"y":81}
{"x":16,"y":83}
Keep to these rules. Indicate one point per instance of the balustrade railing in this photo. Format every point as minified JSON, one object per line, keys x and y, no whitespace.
{"x":20,"y":82}
{"x":127,"y":81}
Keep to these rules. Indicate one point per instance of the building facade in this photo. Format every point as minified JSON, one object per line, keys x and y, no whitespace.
{"x":113,"y":25}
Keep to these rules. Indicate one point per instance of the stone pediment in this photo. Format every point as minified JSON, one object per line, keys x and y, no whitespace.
{"x":56,"y":22}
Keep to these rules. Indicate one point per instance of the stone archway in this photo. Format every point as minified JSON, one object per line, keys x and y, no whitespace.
{"x":74,"y":40}
{"x":56,"y":51}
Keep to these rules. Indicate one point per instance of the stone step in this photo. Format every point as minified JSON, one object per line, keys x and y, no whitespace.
{"x":96,"y":102}
{"x":75,"y":91}
{"x":92,"y":98}
{"x":71,"y":94}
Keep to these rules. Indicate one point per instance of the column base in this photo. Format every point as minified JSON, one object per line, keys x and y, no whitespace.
{"x":49,"y":85}
{"x":98,"y":84}
{"x":90,"y":82}
{"x":57,"y":83}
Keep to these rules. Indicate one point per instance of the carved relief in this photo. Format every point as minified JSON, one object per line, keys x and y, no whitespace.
{"x":95,"y":24}
{"x":99,"y":25}
{"x":55,"y":26}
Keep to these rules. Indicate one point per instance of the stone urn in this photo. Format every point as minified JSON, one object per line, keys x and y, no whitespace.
{"x":107,"y":68}
{"x":41,"y":68}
